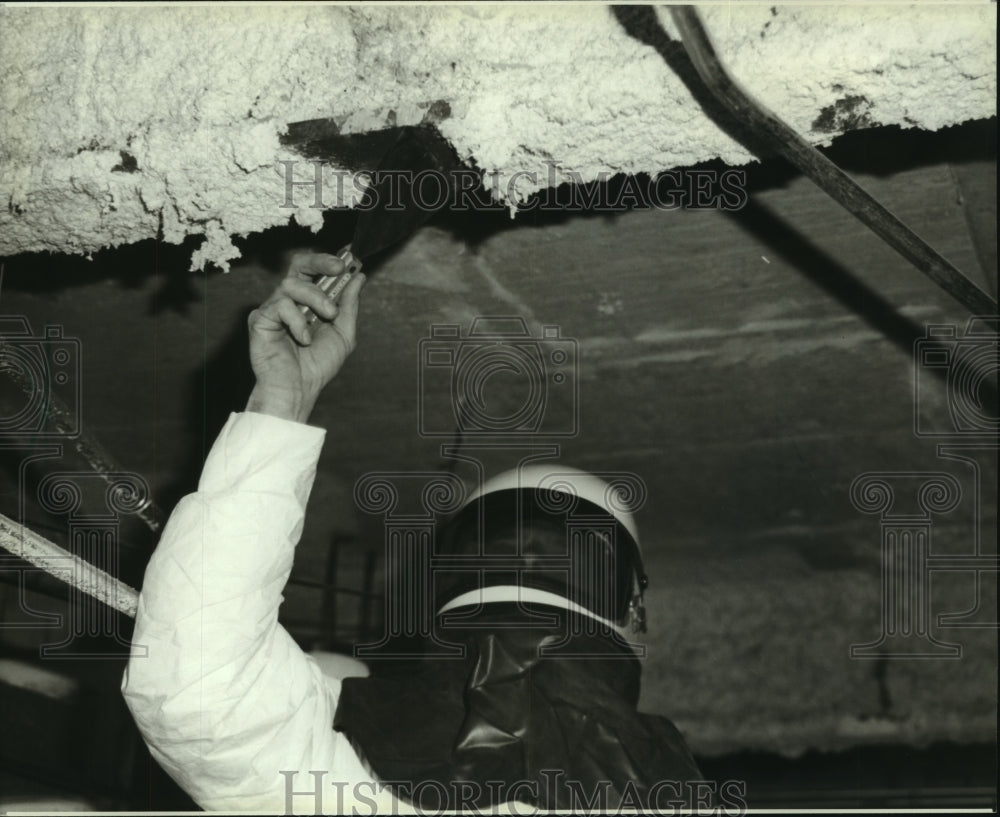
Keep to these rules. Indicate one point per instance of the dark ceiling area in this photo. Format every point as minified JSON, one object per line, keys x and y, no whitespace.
{"x":748,"y":365}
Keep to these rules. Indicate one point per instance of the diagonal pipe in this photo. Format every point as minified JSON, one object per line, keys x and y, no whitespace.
{"x":68,"y":567}
{"x":60,"y":419}
{"x":769,"y":127}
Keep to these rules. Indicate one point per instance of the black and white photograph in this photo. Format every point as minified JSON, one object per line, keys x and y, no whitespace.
{"x":498,"y":408}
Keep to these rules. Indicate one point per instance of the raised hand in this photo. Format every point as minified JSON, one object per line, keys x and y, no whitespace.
{"x":291,"y":359}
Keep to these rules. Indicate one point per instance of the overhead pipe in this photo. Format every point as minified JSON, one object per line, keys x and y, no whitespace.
{"x":68,"y":567}
{"x":61,"y":420}
{"x":769,"y":127}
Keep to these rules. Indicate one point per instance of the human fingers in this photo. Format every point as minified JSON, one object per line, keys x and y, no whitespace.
{"x":346,"y":320}
{"x":308,"y":294}
{"x":307,"y":266}
{"x":279,"y":315}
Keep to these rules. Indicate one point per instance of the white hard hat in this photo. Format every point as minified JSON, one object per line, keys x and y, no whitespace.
{"x":552,"y":496}
{"x":566,"y":480}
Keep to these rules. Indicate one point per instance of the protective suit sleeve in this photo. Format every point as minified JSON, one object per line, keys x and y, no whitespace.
{"x":226,"y":701}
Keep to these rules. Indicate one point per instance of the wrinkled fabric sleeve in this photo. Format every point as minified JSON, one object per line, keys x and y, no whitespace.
{"x":224,"y":698}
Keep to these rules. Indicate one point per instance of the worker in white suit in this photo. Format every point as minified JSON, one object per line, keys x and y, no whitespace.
{"x":226,"y":701}
{"x":243,"y":720}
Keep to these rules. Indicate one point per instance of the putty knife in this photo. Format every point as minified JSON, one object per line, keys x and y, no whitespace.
{"x":408,"y":151}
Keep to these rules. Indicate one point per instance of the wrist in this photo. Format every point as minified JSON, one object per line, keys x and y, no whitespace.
{"x":281,"y":403}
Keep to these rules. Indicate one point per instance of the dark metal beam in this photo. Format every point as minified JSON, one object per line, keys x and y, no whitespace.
{"x":770,"y":128}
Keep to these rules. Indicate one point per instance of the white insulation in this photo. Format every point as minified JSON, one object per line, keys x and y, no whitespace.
{"x":120,"y":123}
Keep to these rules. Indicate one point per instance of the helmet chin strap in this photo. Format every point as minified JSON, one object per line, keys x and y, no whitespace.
{"x":636,"y":607}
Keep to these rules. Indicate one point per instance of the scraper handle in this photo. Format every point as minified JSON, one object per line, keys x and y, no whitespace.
{"x":333,"y":285}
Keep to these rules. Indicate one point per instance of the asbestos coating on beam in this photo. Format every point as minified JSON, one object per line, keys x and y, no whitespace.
{"x":118,"y":123}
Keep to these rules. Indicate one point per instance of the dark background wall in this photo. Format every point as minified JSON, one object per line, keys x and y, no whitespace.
{"x":748,"y":365}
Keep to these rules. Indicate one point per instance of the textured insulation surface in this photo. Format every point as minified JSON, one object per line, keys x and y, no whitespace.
{"x":121,"y":123}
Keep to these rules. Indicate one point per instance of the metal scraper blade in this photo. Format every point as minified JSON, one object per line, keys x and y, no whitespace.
{"x":393,"y":210}
{"x":397,"y":208}
{"x":321,"y":140}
